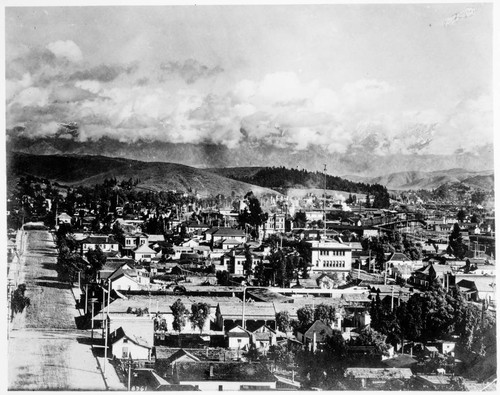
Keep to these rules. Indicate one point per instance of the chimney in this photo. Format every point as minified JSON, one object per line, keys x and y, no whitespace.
{"x":314,"y":342}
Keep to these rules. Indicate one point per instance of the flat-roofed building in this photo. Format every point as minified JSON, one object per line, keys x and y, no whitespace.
{"x":331,"y":257}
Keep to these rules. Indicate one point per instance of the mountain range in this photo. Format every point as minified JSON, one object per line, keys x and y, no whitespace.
{"x":357,"y":161}
{"x":413,"y":180}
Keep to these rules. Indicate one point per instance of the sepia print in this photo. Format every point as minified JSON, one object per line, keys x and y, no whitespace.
{"x":250,"y":197}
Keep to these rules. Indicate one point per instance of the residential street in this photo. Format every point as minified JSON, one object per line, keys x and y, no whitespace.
{"x":46,"y":350}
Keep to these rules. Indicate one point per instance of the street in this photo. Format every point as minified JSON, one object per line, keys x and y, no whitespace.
{"x":46,"y":351}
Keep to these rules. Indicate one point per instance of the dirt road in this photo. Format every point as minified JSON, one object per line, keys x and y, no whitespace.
{"x":46,"y":351}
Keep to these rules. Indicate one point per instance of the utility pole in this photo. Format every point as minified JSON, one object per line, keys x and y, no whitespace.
{"x":106,"y":331}
{"x":324,"y":201}
{"x":129,"y":370}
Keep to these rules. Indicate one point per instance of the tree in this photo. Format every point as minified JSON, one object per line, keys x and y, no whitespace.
{"x":199,"y":314}
{"x":223,"y":277}
{"x":180,"y":313}
{"x":325,"y":313}
{"x":305,"y":317}
{"x":19,"y":301}
{"x":253,"y":353}
{"x":253,"y":216}
{"x":374,"y":339}
{"x":461,"y":215}
{"x":456,"y":246}
{"x":283,"y":321}
{"x":247,"y":265}
{"x":300,"y":219}
{"x":97,"y":260}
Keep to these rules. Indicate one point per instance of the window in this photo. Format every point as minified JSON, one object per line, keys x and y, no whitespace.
{"x":124,"y":352}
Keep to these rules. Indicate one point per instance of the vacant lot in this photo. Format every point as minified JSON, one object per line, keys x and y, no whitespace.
{"x":46,"y":350}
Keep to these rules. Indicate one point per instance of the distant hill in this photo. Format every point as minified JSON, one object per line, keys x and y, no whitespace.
{"x":363,"y":162}
{"x":283,"y":179}
{"x":88,"y":170}
{"x":413,"y":180}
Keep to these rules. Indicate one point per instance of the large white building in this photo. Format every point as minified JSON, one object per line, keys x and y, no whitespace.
{"x":331,"y":257}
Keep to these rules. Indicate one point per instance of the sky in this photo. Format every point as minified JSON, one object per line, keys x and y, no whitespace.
{"x":397,"y":78}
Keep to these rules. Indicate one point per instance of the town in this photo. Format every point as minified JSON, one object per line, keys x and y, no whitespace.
{"x":316,"y":289}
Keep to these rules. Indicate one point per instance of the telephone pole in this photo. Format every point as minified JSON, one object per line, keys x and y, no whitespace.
{"x":324,"y":201}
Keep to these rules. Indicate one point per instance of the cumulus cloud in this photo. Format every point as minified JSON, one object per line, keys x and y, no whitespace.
{"x":190,"y":70}
{"x":132,"y":102}
{"x":66,"y":49}
{"x":103,"y":72}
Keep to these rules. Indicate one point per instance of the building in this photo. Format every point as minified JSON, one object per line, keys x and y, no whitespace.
{"x":225,"y":376}
{"x":125,"y":346}
{"x":143,"y":253}
{"x":315,"y":335}
{"x":331,"y":257}
{"x":377,"y":378}
{"x":105,"y":243}
{"x":238,"y":338}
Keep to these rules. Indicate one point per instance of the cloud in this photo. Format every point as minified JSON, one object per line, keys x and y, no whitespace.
{"x":70,"y":93}
{"x":32,"y":96}
{"x":190,"y":70}
{"x":102,"y":73}
{"x":129,"y":102}
{"x":66,"y":49}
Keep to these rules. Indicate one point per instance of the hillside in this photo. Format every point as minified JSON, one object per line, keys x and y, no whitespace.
{"x":282,"y":179}
{"x":251,"y":154}
{"x":413,"y":180}
{"x":88,"y":170}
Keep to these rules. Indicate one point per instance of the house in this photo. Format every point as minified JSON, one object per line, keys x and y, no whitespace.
{"x":130,"y":279}
{"x":425,"y":276}
{"x":125,"y":346}
{"x":146,"y":379}
{"x":105,"y":244}
{"x":433,"y":382}
{"x":263,"y":338}
{"x":484,"y":287}
{"x":257,"y":314}
{"x":230,"y":243}
{"x":239,"y":338}
{"x":64,"y":218}
{"x":236,"y":258}
{"x":227,"y":233}
{"x":131,"y":241}
{"x":113,"y":264}
{"x":377,"y":378}
{"x":194,"y":227}
{"x":315,"y":335}
{"x":143,"y":253}
{"x":225,"y":376}
{"x":331,"y":257}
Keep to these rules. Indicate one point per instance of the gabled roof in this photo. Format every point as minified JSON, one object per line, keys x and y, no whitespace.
{"x":144,"y":249}
{"x":180,"y":354}
{"x":120,"y":272}
{"x":120,"y":334}
{"x":231,"y":241}
{"x":238,"y":331}
{"x":322,"y":330}
{"x":400,"y":361}
{"x":97,"y":239}
{"x":399,"y":256}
